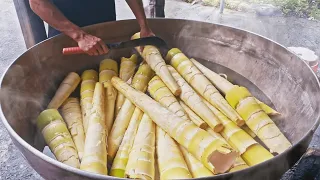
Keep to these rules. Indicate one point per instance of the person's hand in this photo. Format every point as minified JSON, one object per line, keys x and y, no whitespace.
{"x":145,"y":32}
{"x":92,"y":45}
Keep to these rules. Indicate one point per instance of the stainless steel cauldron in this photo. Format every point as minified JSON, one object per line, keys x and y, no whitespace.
{"x":270,"y":71}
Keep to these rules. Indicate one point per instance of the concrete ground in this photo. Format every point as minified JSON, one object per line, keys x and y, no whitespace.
{"x":287,"y":31}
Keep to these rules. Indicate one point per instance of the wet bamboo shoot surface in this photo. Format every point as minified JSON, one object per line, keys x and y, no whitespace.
{"x":157,"y":130}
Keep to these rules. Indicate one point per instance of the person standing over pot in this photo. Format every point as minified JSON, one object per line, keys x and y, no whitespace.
{"x":67,"y":16}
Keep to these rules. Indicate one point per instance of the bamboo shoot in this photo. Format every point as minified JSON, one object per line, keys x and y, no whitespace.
{"x":56,"y":134}
{"x":95,"y":149}
{"x":71,"y":113}
{"x":214,"y":154}
{"x":68,"y":85}
{"x":193,"y":116}
{"x":108,"y":69}
{"x":142,"y":155}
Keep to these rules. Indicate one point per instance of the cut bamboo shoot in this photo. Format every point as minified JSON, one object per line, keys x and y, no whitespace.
{"x":194,"y":101}
{"x":89,"y":79}
{"x":170,"y":160}
{"x":225,"y":86}
{"x":108,"y":69}
{"x":127,"y":68}
{"x":257,"y":120}
{"x":140,"y":83}
{"x":193,"y":116}
{"x":142,"y":155}
{"x":196,"y":168}
{"x":68,"y":85}
{"x":56,"y":134}
{"x":120,"y":161}
{"x":71,"y":113}
{"x":153,"y":57}
{"x":251,"y":151}
{"x":213,"y":153}
{"x":201,"y":84}
{"x":95,"y":149}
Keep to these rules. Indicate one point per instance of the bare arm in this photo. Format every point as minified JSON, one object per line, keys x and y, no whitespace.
{"x":51,"y":14}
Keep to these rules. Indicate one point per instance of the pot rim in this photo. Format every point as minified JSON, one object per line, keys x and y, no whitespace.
{"x":65,"y":167}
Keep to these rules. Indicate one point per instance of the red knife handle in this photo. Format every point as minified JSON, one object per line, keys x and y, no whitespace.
{"x":72,"y":50}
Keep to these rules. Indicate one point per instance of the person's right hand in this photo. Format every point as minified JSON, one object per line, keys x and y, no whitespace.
{"x":92,"y":45}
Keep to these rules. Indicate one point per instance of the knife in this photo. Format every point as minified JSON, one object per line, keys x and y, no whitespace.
{"x":154,"y":41}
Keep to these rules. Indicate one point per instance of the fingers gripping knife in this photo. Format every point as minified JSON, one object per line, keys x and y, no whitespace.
{"x":155,"y":41}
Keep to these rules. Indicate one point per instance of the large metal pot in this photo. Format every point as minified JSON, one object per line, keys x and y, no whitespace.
{"x":269,"y":70}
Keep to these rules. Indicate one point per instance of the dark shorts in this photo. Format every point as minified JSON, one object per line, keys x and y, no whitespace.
{"x":85,"y":12}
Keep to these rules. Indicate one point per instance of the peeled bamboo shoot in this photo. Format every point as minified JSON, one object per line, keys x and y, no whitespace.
{"x":142,"y":155}
{"x":140,"y":83}
{"x":257,"y":120}
{"x":213,"y":153}
{"x":121,"y":159}
{"x":193,"y":116}
{"x":56,"y":134}
{"x":196,"y":168}
{"x":71,"y":113}
{"x":225,"y":86}
{"x":127,"y":68}
{"x":153,"y":57}
{"x":68,"y":85}
{"x":108,"y":69}
{"x":170,"y":160}
{"x":95,"y":149}
{"x":251,"y":151}
{"x":89,"y":79}
{"x":194,"y":101}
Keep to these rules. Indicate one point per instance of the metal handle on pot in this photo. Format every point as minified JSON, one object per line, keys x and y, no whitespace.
{"x":308,"y":167}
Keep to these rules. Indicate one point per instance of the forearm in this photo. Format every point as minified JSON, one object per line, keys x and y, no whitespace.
{"x":138,"y":10}
{"x":50,"y":14}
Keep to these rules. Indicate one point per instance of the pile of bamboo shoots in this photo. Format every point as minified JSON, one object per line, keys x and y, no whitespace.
{"x":191,"y":123}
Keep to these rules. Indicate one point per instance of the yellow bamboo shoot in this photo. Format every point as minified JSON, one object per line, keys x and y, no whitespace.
{"x":193,"y":116}
{"x":89,"y":79}
{"x":140,"y":83}
{"x":68,"y":85}
{"x":127,"y":68}
{"x":213,"y":153}
{"x":142,"y":155}
{"x":225,"y":86}
{"x":153,"y":57}
{"x":95,"y":149}
{"x":121,"y":159}
{"x":257,"y":120}
{"x":170,"y":160}
{"x":108,"y":69}
{"x":57,"y":137}
{"x":251,"y":151}
{"x":71,"y":113}
{"x":194,"y":101}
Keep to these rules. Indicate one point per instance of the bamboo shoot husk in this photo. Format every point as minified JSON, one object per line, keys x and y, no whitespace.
{"x":225,"y":86}
{"x":142,"y":155}
{"x":194,"y":101}
{"x":213,"y":153}
{"x":196,"y":168}
{"x":95,"y":149}
{"x":251,"y":151}
{"x":121,"y":159}
{"x":56,"y":135}
{"x":71,"y":113}
{"x":127,"y":68}
{"x":153,"y":57}
{"x":170,"y":160}
{"x":68,"y":85}
{"x":108,"y":69}
{"x":140,"y":83}
{"x":193,"y":116}
{"x":257,"y":120}
{"x":201,"y":84}
{"x":88,"y":82}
